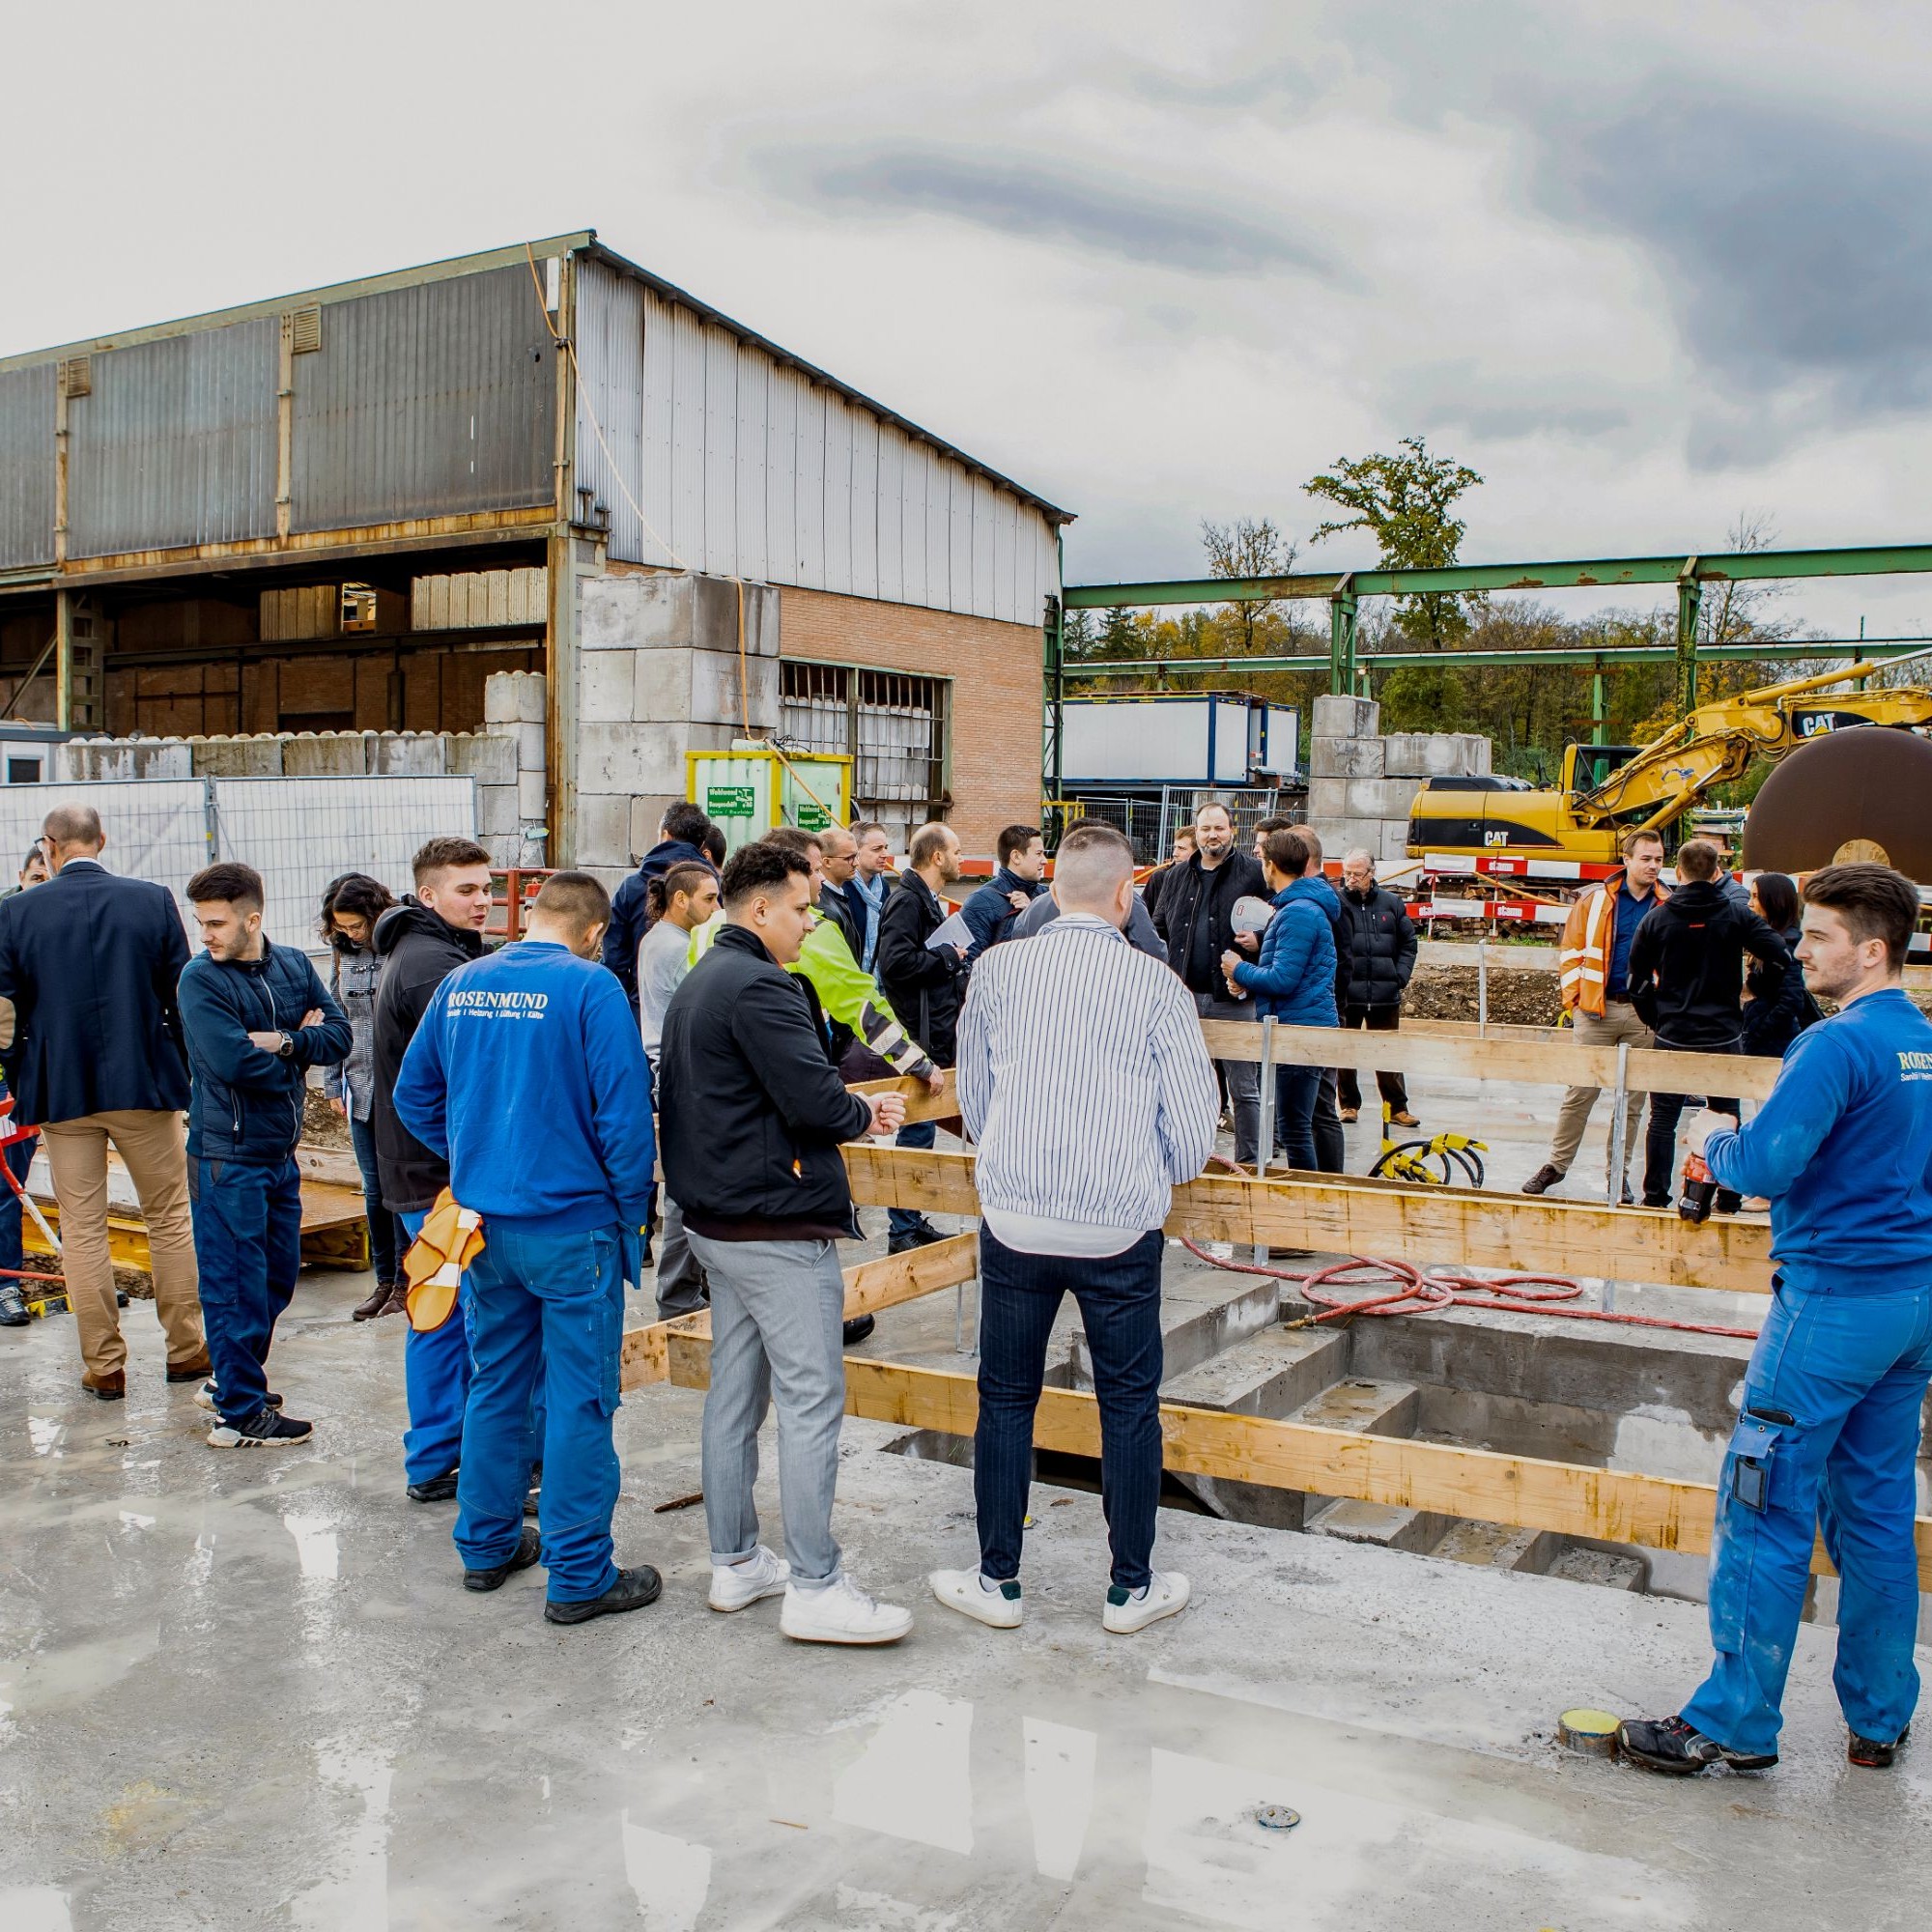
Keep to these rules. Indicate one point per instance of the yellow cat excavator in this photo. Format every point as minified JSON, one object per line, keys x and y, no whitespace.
{"x":1609,"y":790}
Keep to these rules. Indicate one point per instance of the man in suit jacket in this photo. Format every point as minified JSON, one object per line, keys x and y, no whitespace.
{"x":90,"y":963}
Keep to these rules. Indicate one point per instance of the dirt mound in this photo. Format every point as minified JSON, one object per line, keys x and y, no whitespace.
{"x":1517,"y":998}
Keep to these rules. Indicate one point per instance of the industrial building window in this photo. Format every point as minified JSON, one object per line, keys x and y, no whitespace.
{"x":893,"y":725}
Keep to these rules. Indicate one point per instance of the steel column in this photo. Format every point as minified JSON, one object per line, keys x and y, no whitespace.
{"x":1689,"y":602}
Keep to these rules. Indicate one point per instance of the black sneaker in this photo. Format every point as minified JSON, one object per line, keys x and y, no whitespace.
{"x":922,"y":1237}
{"x":1671,"y":1745}
{"x":206,"y":1397}
{"x":265,"y":1428}
{"x":858,"y":1328}
{"x":631,"y":1591}
{"x":12,"y":1306}
{"x":1657,"y":1201}
{"x":1872,"y":1755}
{"x":530,"y":1546}
{"x":1543,"y":1179}
{"x":438,"y":1490}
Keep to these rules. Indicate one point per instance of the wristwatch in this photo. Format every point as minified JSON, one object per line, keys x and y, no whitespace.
{"x":286,"y":1050}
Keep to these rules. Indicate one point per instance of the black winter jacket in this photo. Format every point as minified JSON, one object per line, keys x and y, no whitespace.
{"x":1380,"y":948}
{"x":628,"y":923}
{"x":90,"y":962}
{"x":1192,"y":895}
{"x":1686,"y":971}
{"x":751,"y":1108}
{"x":247,"y":1105}
{"x":419,"y":952}
{"x":1780,"y":1007}
{"x":923,"y":987}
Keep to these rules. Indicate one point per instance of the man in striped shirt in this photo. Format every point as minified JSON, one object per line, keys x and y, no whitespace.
{"x":1083,"y":1078}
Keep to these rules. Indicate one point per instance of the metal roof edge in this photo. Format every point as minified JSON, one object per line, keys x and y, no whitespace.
{"x":333,"y":292}
{"x":601,"y":252}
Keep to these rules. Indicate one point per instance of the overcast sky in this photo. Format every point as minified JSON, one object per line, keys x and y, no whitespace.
{"x":1644,"y":267}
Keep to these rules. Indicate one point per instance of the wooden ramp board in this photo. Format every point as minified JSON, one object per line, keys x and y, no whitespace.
{"x":335,"y":1234}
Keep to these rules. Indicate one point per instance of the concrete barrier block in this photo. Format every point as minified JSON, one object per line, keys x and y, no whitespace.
{"x":1345,"y":757}
{"x":603,"y":829}
{"x":660,"y":686}
{"x":605,"y":684}
{"x":513,"y":698}
{"x":1327,"y":798}
{"x":497,"y":809}
{"x":1343,"y":717}
{"x":533,"y":746}
{"x":415,"y":753}
{"x":1379,"y":798}
{"x":1340,"y":835}
{"x":1394,"y":839}
{"x":1403,"y":755}
{"x":647,"y":812}
{"x":620,"y":760}
{"x":252,"y":757}
{"x":532,"y":796}
{"x":327,"y":754}
{"x":716,"y":696}
{"x":635,"y":613}
{"x":488,"y":756}
{"x":714,"y":617}
{"x":1482,"y":755}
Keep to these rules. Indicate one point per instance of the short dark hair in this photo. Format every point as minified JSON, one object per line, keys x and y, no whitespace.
{"x":1264,"y":826}
{"x":686,"y":822}
{"x":794,"y":840}
{"x":1644,"y":835}
{"x":355,"y":894}
{"x":445,"y":855}
{"x":758,"y":869}
{"x":1287,"y":851}
{"x":576,"y":899}
{"x":712,"y":844}
{"x":1874,"y":901}
{"x":236,"y":884}
{"x":1777,"y":895}
{"x":1697,"y":859}
{"x":33,"y":852}
{"x":1014,"y":839}
{"x":928,"y":843}
{"x":686,"y":876}
{"x":864,"y":828}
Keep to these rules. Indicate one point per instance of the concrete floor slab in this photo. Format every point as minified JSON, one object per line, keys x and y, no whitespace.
{"x":245,"y":1692}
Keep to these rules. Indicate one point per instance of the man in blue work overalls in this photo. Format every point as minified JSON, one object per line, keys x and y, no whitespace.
{"x":1828,"y":1438}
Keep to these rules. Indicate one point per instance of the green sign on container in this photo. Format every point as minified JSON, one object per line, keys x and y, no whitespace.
{"x":730,"y":801}
{"x":814,"y":818}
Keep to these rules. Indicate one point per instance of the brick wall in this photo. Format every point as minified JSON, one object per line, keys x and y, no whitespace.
{"x":996,"y":696}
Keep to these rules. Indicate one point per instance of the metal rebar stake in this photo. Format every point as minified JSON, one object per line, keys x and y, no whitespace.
{"x":1613,"y":1186}
{"x":1482,"y":987}
{"x":1267,"y":1132}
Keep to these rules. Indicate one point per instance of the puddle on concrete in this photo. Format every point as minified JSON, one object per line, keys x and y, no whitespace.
{"x":316,"y":1545}
{"x":34,"y":1908}
{"x":671,"y":1876}
{"x":48,"y":1679}
{"x":45,"y":1434}
{"x":914,"y":1780}
{"x":1060,"y":1761}
{"x":357,"y":1892}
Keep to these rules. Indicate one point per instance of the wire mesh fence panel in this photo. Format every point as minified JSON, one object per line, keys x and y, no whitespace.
{"x":157,"y":828}
{"x":301,"y":833}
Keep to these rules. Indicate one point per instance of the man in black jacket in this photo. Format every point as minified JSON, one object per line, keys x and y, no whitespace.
{"x":680,"y":842}
{"x":1379,"y":956}
{"x":256,"y":1018}
{"x":754,"y":1113}
{"x":1196,"y":917}
{"x":839,"y":855}
{"x":991,"y":911}
{"x":422,"y":941}
{"x":90,"y":964}
{"x":923,"y":986}
{"x":1686,"y":982}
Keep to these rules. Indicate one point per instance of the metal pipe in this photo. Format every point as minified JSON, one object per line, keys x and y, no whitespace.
{"x":1266,"y":1133}
{"x":1619,"y":1098}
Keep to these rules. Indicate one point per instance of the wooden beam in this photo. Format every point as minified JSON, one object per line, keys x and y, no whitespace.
{"x":921,"y":1102}
{"x":1523,"y":1491}
{"x":1516,"y":1233}
{"x":1553,"y":1062}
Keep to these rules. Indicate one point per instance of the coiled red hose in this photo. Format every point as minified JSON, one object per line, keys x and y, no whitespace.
{"x":1414,"y":1290}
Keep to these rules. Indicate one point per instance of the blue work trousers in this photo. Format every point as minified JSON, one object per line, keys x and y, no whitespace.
{"x":1848,"y":1375}
{"x":436,"y":1378}
{"x":248,"y":1242}
{"x":914,"y":1134}
{"x":547,"y":1316}
{"x":19,"y":1159}
{"x":1119,"y":1309}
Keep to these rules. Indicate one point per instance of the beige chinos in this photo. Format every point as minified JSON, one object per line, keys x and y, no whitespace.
{"x":1618,"y":1024}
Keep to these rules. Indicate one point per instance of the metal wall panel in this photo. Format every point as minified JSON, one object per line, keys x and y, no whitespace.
{"x":176,"y":444}
{"x":611,"y":368}
{"x":781,"y":476}
{"x":809,"y":497}
{"x":659,"y":384}
{"x":911,"y":523}
{"x":838,"y":494}
{"x":720,"y":453}
{"x":959,"y":538}
{"x":864,"y":503}
{"x":987,"y":599}
{"x":434,"y":400}
{"x":27,"y":467}
{"x":754,"y":373}
{"x":890,"y":516}
{"x":687,"y":438}
{"x":1001,"y":512}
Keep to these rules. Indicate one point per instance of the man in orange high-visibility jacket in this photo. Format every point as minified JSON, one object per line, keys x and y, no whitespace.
{"x":1596,"y":994}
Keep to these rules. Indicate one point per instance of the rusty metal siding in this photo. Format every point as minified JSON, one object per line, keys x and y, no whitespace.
{"x":431,"y":401}
{"x":27,"y":467}
{"x":611,"y":391}
{"x":176,"y":444}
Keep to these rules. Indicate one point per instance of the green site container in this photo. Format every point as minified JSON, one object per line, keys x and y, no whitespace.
{"x":749,"y":789}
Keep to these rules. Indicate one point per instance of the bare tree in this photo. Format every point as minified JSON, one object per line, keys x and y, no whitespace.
{"x":1247,"y":548}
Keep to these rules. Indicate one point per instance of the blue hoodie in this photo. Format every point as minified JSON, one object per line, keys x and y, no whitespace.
{"x":528,"y":1076}
{"x":1294,"y":978}
{"x":1843,"y":1150}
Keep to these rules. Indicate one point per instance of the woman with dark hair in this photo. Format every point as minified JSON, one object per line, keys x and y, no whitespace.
{"x":351,"y":907}
{"x":1776,"y":1007}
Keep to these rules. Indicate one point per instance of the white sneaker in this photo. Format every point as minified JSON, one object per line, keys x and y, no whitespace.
{"x":737,"y":1586}
{"x":840,"y":1614}
{"x":1165,"y":1595}
{"x":968,"y":1592}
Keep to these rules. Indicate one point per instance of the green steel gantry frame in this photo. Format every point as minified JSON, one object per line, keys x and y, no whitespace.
{"x":1344,"y":590}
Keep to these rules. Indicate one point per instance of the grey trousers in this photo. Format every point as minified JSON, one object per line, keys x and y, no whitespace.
{"x":777,"y":1310}
{"x":680,"y":1281}
{"x":1243,"y":1077}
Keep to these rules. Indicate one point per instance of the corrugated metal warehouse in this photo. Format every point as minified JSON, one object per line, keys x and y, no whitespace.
{"x":342,"y":510}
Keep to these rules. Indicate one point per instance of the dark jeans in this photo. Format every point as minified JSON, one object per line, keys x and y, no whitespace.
{"x":248,"y":1242}
{"x":1330,"y":1154}
{"x":1119,"y":1308}
{"x":1297,"y":1089}
{"x":1660,"y":1146}
{"x":915,"y":1134}
{"x":1348,"y":1090}
{"x":384,"y":1249}
{"x":19,"y":1157}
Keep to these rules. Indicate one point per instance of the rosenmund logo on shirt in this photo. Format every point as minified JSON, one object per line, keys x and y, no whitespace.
{"x":1914,"y":1064}
{"x":488,"y":1004}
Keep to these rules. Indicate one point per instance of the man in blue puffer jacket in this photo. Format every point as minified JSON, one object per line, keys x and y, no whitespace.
{"x":1293,"y":981}
{"x":256,"y":1019}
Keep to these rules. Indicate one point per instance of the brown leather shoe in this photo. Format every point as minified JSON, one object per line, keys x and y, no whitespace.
{"x":398,"y":1302}
{"x":196,"y":1371}
{"x":374,"y":1303}
{"x":110,"y":1387}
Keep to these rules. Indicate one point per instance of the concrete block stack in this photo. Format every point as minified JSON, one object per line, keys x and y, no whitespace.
{"x":1361,"y":782}
{"x":509,"y":759}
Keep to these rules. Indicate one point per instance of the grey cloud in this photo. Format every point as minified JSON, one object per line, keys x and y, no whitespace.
{"x":1049,"y":200}
{"x":1796,"y":247}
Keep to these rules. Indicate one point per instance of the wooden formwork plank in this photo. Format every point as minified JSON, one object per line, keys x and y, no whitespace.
{"x":1523,"y":1491}
{"x":1518,"y":1233}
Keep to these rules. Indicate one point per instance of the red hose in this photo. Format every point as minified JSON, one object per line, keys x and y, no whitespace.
{"x":1414,"y":1292}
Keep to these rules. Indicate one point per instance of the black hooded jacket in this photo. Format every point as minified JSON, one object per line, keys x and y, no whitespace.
{"x":419,"y":950}
{"x":628,"y":923}
{"x":1196,"y":917}
{"x":1687,"y":970}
